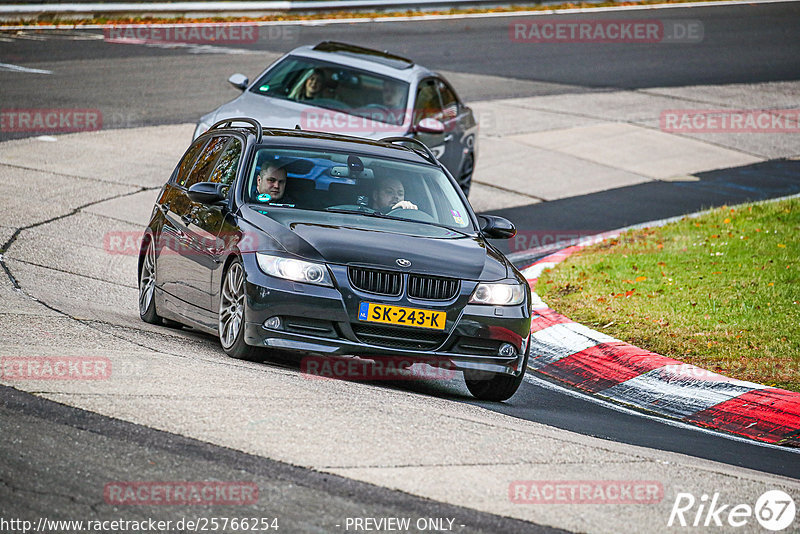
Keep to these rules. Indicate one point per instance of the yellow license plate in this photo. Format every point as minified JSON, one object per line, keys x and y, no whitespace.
{"x":382,"y":313}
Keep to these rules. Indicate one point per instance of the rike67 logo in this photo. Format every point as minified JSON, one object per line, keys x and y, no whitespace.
{"x":774,"y":510}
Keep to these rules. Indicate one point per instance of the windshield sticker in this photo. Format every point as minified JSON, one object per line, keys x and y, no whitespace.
{"x":457,"y":217}
{"x":263,"y":197}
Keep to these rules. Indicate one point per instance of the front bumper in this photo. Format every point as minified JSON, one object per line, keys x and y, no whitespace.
{"x":324,"y":321}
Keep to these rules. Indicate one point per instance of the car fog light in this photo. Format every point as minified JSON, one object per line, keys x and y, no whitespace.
{"x":273,"y":323}
{"x":507,"y":349}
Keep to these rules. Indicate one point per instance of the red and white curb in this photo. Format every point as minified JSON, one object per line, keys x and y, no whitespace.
{"x":612,"y":369}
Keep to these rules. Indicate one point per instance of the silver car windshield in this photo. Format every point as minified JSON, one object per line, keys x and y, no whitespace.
{"x":355,"y":184}
{"x":336,"y":88}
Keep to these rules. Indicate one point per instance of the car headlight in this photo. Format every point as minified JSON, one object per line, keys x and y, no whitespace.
{"x":498,"y":294}
{"x":296,"y":270}
{"x":200,"y":129}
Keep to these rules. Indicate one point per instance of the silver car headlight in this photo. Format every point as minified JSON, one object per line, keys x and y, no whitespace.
{"x":296,"y":270}
{"x":498,"y":294}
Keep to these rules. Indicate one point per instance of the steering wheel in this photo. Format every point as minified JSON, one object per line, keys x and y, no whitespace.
{"x":329,"y":103}
{"x":378,"y":106}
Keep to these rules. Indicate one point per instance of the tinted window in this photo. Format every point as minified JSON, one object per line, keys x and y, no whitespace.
{"x":427,"y":104}
{"x":205,"y":162}
{"x":449,"y":100}
{"x":225,"y":171}
{"x":188,"y":161}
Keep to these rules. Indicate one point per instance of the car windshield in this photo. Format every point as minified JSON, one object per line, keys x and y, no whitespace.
{"x":338,"y":88}
{"x":355,"y":184}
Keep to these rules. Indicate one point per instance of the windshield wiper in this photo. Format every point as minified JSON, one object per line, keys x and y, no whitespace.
{"x":369,"y":212}
{"x":363,"y":210}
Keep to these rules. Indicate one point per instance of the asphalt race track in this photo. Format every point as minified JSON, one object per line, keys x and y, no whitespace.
{"x":321,"y":451}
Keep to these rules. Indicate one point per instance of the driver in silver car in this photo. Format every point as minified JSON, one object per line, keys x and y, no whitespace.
{"x":314,"y":86}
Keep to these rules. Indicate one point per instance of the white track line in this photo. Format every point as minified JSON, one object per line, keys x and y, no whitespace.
{"x":17,"y":68}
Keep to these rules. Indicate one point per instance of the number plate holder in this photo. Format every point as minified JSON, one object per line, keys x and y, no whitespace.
{"x":401,"y":316}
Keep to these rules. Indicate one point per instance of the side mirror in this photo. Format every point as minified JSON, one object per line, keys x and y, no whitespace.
{"x":239,"y":81}
{"x":207,"y":192}
{"x":430,"y":125}
{"x":495,"y":227}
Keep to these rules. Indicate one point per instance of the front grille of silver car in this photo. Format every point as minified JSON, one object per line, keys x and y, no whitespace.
{"x":432,"y":287}
{"x":388,"y":283}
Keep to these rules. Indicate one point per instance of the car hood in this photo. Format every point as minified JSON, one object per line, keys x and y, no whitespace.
{"x":277,"y":113}
{"x":352,"y":239}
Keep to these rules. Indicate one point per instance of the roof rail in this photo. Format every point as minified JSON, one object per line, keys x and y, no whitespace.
{"x":254,"y":125}
{"x":426,"y":152}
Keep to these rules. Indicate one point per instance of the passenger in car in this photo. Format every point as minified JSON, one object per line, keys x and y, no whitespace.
{"x":390,"y":195}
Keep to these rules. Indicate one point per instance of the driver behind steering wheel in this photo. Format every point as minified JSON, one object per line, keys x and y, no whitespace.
{"x":389,"y":195}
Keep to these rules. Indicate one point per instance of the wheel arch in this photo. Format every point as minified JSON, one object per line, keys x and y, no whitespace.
{"x":217,"y":284}
{"x":146,"y":239}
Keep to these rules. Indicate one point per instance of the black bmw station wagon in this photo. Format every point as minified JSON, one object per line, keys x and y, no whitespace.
{"x":333,"y":245}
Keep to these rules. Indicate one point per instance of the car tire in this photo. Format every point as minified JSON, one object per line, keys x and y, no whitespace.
{"x":232,"y":310}
{"x":147,"y":286}
{"x":493,"y":387}
{"x":465,"y":176}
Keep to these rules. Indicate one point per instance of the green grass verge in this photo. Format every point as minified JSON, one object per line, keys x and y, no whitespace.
{"x":720,"y":291}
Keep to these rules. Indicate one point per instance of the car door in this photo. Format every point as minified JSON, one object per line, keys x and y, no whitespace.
{"x":209,"y":229}
{"x":460,"y":128}
{"x":428,"y":104}
{"x":195,"y":226}
{"x":172,"y":237}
